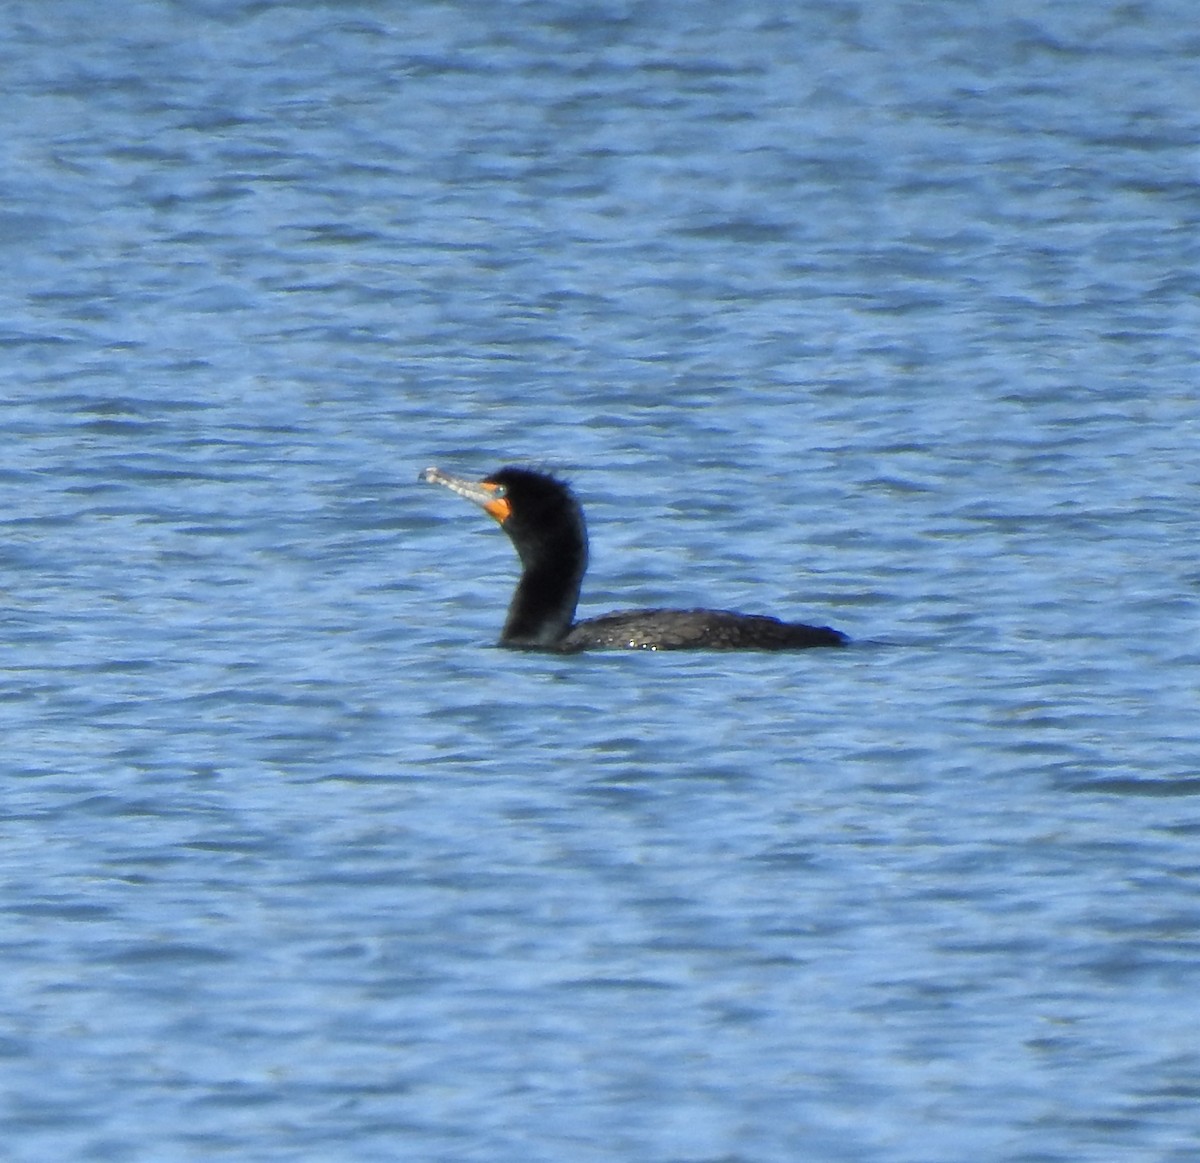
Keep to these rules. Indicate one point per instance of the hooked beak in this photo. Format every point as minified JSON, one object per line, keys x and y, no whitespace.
{"x":485,"y":494}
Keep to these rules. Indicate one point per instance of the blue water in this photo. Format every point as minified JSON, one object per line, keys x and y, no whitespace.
{"x":879,"y":315}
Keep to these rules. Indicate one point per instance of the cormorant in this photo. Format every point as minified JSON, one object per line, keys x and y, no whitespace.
{"x":545,"y":523}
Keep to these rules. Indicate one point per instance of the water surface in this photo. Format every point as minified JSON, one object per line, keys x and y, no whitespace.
{"x":877,"y":315}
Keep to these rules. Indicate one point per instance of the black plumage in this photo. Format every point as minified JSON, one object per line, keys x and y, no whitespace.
{"x":545,"y":523}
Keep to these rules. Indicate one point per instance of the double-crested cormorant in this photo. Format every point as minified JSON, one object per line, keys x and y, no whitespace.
{"x":545,"y":523}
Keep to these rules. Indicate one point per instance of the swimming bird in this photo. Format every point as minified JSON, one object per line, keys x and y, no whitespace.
{"x":544,"y":521}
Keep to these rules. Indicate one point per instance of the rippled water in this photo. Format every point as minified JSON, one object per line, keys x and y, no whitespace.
{"x":881,"y":315}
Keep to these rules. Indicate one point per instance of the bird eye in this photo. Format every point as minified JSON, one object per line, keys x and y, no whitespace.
{"x":498,"y":491}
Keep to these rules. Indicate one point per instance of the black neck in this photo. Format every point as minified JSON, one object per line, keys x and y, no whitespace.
{"x":543,"y":606}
